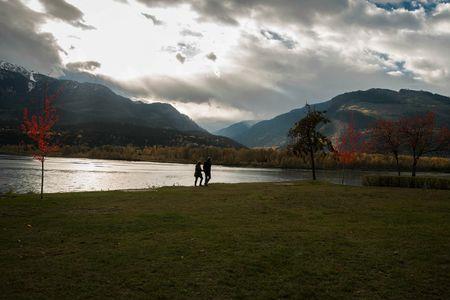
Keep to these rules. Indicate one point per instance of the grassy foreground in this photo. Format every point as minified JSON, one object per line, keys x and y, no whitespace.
{"x":298,"y":240}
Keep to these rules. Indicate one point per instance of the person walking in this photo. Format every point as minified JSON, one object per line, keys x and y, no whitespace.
{"x":207,"y":170}
{"x":198,"y":174}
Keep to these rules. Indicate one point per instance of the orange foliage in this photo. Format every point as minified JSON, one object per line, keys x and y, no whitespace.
{"x":349,"y":144}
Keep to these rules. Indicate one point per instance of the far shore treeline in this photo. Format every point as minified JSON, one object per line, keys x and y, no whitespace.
{"x":244,"y":157}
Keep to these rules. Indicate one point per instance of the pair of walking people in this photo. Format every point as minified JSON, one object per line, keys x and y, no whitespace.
{"x":206,"y":169}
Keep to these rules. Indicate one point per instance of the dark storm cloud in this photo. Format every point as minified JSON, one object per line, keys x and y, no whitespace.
{"x":83,"y":65}
{"x":154,"y":19}
{"x":229,"y":11}
{"x":209,"y":10}
{"x":60,"y":9}
{"x":21,"y":41}
{"x":347,"y":12}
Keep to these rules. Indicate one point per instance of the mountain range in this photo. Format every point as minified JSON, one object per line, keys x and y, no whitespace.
{"x":233,"y":131}
{"x":362,"y":108}
{"x":92,"y":114}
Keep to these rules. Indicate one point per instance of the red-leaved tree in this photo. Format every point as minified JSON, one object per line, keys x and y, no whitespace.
{"x":38,"y":127}
{"x":422,"y":136}
{"x":348,"y":145}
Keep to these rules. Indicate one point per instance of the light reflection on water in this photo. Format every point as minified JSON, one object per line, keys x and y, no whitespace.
{"x":22,"y":174}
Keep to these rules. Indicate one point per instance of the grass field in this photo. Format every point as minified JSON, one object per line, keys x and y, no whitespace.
{"x":298,"y":240}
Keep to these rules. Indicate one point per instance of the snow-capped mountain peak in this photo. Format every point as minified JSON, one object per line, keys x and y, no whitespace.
{"x":7,"y":66}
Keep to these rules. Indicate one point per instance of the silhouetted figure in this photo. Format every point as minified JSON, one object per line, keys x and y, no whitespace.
{"x":207,"y":170}
{"x":198,"y":173}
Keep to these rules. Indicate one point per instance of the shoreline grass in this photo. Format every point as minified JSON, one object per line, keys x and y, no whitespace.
{"x":271,"y":240}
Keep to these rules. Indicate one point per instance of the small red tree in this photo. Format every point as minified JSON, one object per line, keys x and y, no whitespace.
{"x":38,"y":128}
{"x":348,"y":145}
{"x":385,"y":137}
{"x":422,"y":136}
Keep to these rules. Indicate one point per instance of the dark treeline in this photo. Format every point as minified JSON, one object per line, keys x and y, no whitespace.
{"x":416,"y":136}
{"x":270,"y":158}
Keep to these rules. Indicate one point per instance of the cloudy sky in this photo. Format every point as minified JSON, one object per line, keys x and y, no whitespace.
{"x":221,"y":61}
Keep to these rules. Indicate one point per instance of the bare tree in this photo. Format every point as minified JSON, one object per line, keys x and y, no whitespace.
{"x":422,"y":136}
{"x":385,"y":137}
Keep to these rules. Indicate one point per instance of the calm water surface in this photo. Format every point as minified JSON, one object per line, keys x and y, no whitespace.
{"x":21,"y":174}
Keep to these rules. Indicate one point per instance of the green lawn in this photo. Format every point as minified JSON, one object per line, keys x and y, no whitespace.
{"x":253,"y":241}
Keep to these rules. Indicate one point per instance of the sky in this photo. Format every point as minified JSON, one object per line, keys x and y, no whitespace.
{"x":223,"y":61}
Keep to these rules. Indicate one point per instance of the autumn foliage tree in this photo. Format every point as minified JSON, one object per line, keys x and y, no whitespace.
{"x":38,"y":127}
{"x":421,"y":136}
{"x":385,"y":137}
{"x":348,"y":145}
{"x":306,"y":140}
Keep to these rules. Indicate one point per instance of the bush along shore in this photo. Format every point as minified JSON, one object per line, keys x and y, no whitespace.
{"x":407,"y":181}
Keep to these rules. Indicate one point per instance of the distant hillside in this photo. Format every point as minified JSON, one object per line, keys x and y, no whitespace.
{"x":235,"y":129}
{"x":97,"y":112}
{"x":364,"y":107}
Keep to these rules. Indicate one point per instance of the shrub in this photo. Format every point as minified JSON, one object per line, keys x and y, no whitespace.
{"x":407,"y":181}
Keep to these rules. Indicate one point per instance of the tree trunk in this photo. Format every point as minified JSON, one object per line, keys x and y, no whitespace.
{"x":313,"y":166}
{"x":42,"y":179}
{"x":414,"y":166}
{"x":398,"y":166}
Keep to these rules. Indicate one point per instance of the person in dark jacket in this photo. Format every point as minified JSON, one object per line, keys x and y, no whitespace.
{"x":207,"y":170}
{"x":198,"y":173}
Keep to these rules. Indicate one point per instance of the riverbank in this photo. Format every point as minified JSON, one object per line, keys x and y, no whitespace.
{"x":256,"y":158}
{"x":271,"y":240}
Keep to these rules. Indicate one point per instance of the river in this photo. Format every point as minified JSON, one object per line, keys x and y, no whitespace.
{"x":20,"y":174}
